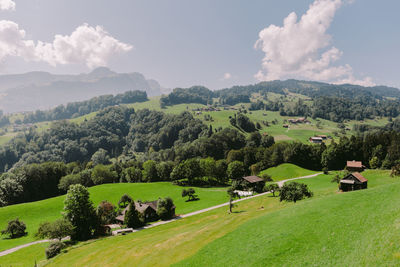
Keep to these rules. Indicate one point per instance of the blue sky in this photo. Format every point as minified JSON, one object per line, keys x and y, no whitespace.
{"x":212,"y":43}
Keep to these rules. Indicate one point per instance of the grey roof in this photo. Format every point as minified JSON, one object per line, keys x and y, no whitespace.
{"x":253,"y":179}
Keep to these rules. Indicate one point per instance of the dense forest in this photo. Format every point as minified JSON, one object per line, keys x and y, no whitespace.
{"x":76,"y":109}
{"x":332,"y":102}
{"x":120,"y":144}
{"x":123,"y":145}
{"x":194,"y":94}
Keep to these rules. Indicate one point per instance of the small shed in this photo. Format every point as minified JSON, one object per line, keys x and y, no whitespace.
{"x":353,"y":181}
{"x":316,"y":140}
{"x":254,"y":183}
{"x":354,"y":166}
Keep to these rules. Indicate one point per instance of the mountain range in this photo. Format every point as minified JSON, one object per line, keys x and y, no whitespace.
{"x":42,"y":90}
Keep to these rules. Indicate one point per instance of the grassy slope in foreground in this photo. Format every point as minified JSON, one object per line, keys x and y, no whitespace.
{"x":170,"y":243}
{"x":286,"y":171}
{"x":347,"y":229}
{"x":50,"y":209}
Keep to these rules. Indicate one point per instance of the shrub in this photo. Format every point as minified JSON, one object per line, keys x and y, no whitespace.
{"x":273,"y":188}
{"x":266,"y":177}
{"x":103,"y":174}
{"x":106,"y":212}
{"x":189,"y":193}
{"x":58,"y":229}
{"x":165,"y":208}
{"x":294,"y":191}
{"x":15,"y":228}
{"x":54,"y":249}
{"x":132,"y":217}
{"x":125,"y":200}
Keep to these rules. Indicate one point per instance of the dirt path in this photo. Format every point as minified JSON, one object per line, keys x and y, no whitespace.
{"x":11,"y":250}
{"x":280,"y":183}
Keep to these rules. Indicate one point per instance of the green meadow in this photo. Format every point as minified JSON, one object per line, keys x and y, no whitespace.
{"x":32,"y":214}
{"x":334,"y":229}
{"x":286,"y":171}
{"x":344,"y":229}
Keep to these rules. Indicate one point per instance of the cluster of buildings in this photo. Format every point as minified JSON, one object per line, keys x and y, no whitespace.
{"x":299,"y":120}
{"x":148,"y":211}
{"x":354,"y":180}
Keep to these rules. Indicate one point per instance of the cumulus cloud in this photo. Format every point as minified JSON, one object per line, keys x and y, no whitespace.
{"x":92,"y":46}
{"x":301,"y":48}
{"x":227,"y":76}
{"x":7,"y":5}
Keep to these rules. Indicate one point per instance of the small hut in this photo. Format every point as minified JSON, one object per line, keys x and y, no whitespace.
{"x":353,"y":181}
{"x":355,"y":166}
{"x":254,"y":183}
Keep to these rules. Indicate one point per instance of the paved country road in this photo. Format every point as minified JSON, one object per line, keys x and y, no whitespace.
{"x":280,"y":183}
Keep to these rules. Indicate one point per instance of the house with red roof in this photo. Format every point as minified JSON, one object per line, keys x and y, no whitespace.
{"x":355,"y":166}
{"x":353,"y":181}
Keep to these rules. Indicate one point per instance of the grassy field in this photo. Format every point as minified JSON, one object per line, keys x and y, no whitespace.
{"x":300,"y":132}
{"x":347,"y":229}
{"x":50,"y":209}
{"x":264,"y":231}
{"x":286,"y":171}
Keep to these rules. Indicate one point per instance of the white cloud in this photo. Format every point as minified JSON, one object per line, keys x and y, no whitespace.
{"x":301,"y":48}
{"x":92,"y":46}
{"x":227,"y":76}
{"x":7,"y":5}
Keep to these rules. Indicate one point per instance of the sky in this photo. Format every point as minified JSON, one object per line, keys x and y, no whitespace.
{"x":217,"y":44}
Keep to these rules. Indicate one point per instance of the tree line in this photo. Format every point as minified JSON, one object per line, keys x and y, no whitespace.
{"x":76,"y":109}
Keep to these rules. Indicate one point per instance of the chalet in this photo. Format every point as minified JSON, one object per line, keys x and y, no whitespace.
{"x":324,"y":137}
{"x":355,"y":166}
{"x":147,"y":209}
{"x":316,"y":140}
{"x":353,"y":181}
{"x":298,"y":120}
{"x":253,"y":183}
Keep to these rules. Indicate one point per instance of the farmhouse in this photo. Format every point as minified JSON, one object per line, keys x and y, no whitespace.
{"x":355,"y":166}
{"x":147,"y":209}
{"x":253,"y":183}
{"x":353,"y":181}
{"x":298,"y":120}
{"x":316,"y":140}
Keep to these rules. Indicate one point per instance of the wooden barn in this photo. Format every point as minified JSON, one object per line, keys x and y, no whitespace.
{"x":147,"y":209}
{"x":355,"y":166}
{"x":254,"y":183}
{"x":353,"y":181}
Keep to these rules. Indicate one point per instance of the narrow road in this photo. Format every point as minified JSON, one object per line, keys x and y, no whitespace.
{"x":280,"y":183}
{"x":11,"y":250}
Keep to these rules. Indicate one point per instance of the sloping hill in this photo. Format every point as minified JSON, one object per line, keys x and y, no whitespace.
{"x":50,"y":209}
{"x":286,"y":171}
{"x":348,"y":229}
{"x":313,"y":230}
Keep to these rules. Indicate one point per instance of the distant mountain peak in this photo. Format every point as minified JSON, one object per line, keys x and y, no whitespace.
{"x":101,"y":72}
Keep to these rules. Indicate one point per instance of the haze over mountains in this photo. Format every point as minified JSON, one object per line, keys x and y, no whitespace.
{"x":42,"y":90}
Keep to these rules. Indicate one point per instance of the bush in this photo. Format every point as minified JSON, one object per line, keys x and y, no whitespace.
{"x":165,"y":208}
{"x":266,"y":177}
{"x":125,"y":200}
{"x":273,"y":188}
{"x":54,"y":249}
{"x":103,"y":174}
{"x":132,"y":217}
{"x":15,"y":228}
{"x":58,"y":229}
{"x":294,"y":191}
